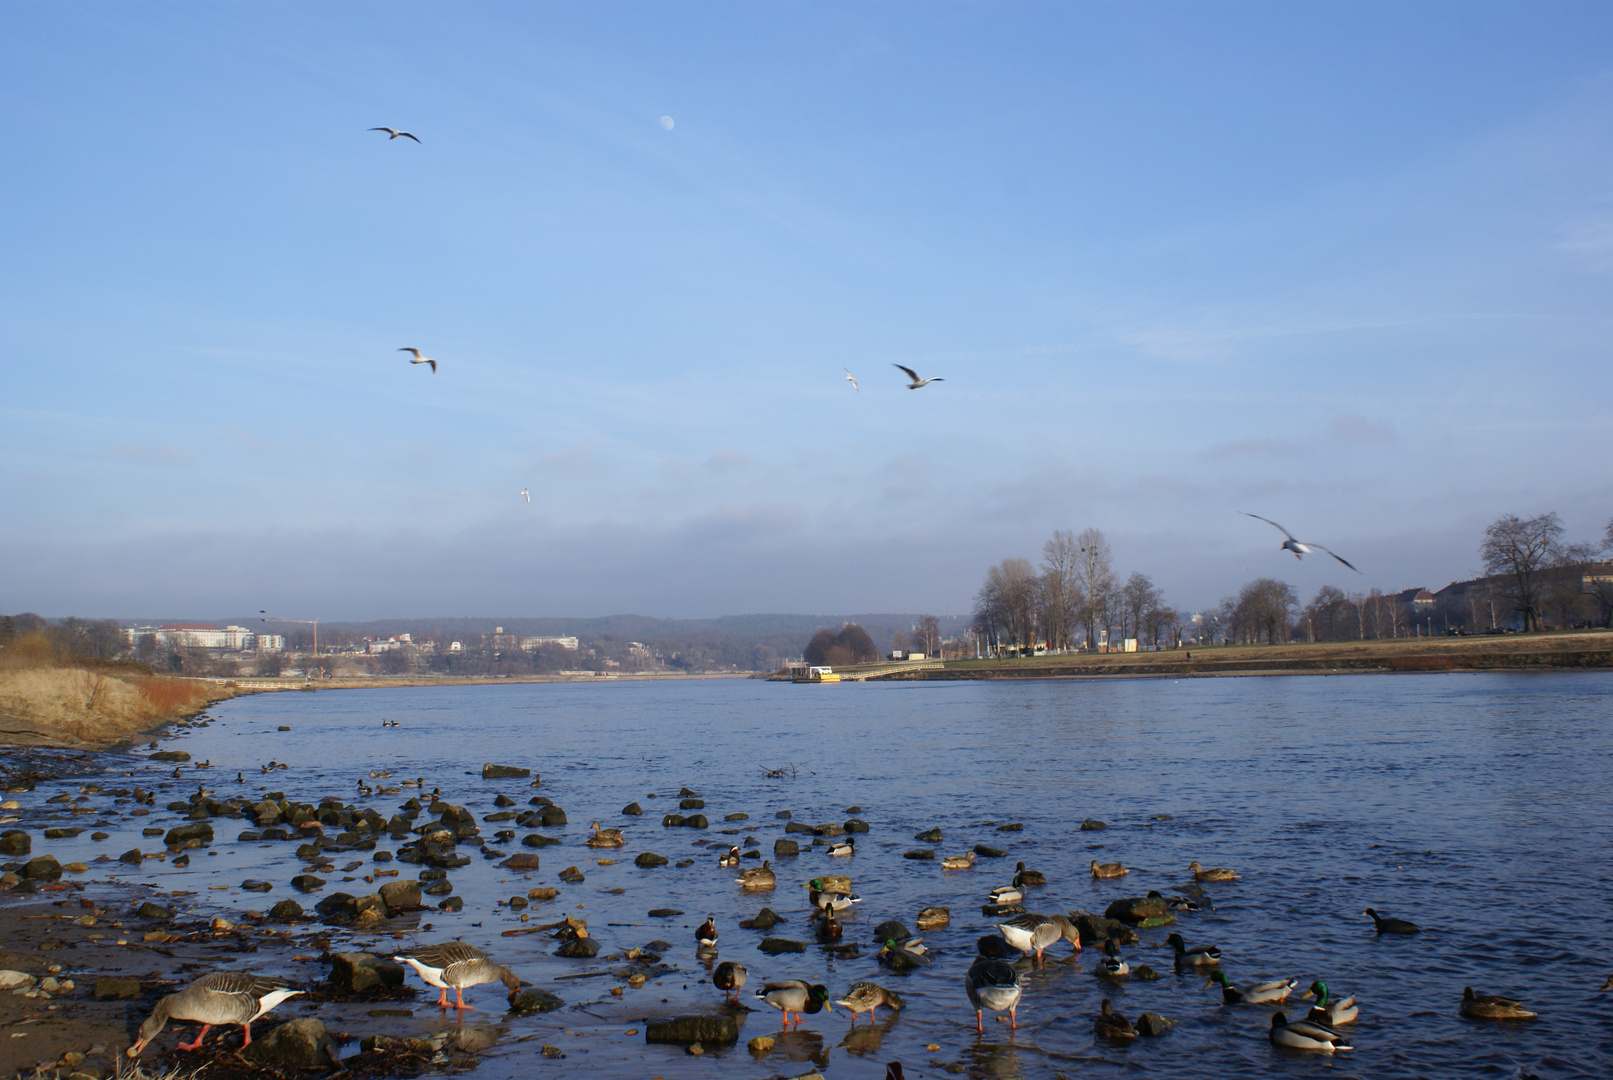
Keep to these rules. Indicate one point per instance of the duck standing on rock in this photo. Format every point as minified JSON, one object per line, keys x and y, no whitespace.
{"x":224,"y":997}
{"x":729,"y":977}
{"x":706,"y":936}
{"x":456,"y":966}
{"x":994,"y":985}
{"x":1391,"y":926}
{"x":797,"y":996}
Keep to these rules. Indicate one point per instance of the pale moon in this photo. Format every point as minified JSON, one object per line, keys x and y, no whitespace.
{"x":666,"y":122}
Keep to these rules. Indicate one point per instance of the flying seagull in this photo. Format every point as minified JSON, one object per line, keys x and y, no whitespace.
{"x":394,"y":134}
{"x":914,"y":376}
{"x":852,"y":379}
{"x":527,"y":495}
{"x":1298,"y":547}
{"x":418,"y":359}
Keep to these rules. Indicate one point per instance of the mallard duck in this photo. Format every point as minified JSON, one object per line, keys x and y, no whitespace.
{"x":824,"y":898}
{"x":729,"y":976}
{"x":1110,"y":965}
{"x":1111,"y":1025}
{"x":1181,"y":903}
{"x":1214,"y":873}
{"x":706,"y":936}
{"x":1493,"y":1007}
{"x":1005,"y":894}
{"x":730,"y":858}
{"x":904,"y":955}
{"x":994,"y":985}
{"x":1204,"y":956}
{"x":224,"y":997}
{"x":795,"y":996}
{"x":758,"y":877}
{"x":867,"y":997}
{"x":830,"y":928}
{"x":1030,"y":932}
{"x":1391,"y":926}
{"x":1304,"y":1035}
{"x":1023,"y":876}
{"x":1108,"y":869}
{"x":455,"y":966}
{"x":958,"y":862}
{"x":1260,"y":993}
{"x":1328,"y":1010}
{"x":846,"y":847}
{"x":605,"y":837}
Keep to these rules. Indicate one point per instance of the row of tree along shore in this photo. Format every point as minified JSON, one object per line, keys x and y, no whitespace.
{"x":1074,"y":600}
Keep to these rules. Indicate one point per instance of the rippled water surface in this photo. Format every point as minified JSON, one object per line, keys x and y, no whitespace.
{"x":1475,"y":805}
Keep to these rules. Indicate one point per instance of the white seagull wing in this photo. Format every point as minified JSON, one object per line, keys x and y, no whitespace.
{"x":409,"y":349}
{"x":1280,"y":529}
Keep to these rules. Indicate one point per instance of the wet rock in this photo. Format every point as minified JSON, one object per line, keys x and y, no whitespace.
{"x":1096,"y":930}
{"x":254,"y":885}
{"x":183,"y":834}
{"x":303,"y":1043}
{"x":1144,"y":972}
{"x":783,"y":815}
{"x":307,"y":883}
{"x":553,"y":815}
{"x":773,"y":946}
{"x":132,"y":856}
{"x":664,"y":912}
{"x":829,"y":829}
{"x":1144,"y":911}
{"x":572,"y":876}
{"x":383,"y":856}
{"x":1012,"y":826}
{"x":1093,"y":825}
{"x":672,"y":821}
{"x":929,"y":836}
{"x":742,"y":816}
{"x":158,"y":831}
{"x":583,"y":948}
{"x":695,"y":821}
{"x":153,"y":910}
{"x":1152,"y":1025}
{"x":785,"y":846}
{"x":633,"y":809}
{"x":986,"y":851}
{"x":765,"y":919}
{"x":997,"y":911}
{"x":856,"y":825}
{"x":533,"y":1000}
{"x":933,"y":918}
{"x":762,"y":1044}
{"x":503,"y":800}
{"x":170,"y":755}
{"x":891,"y":930}
{"x":996,"y":947}
{"x":797,"y":827}
{"x":504,"y":772}
{"x":286,"y":911}
{"x":41,"y":868}
{"x":401,"y":895}
{"x":919,"y":853}
{"x":390,"y":1044}
{"x":453,"y":903}
{"x":692,"y":804}
{"x":62,"y":833}
{"x":720,"y":1029}
{"x":538,"y":840}
{"x":361,"y":971}
{"x":115,"y":989}
{"x":648,"y":859}
{"x":15,"y":842}
{"x":542,"y":892}
{"x":521,"y":861}
{"x":439,"y":888}
{"x":18,"y":980}
{"x":9,"y":880}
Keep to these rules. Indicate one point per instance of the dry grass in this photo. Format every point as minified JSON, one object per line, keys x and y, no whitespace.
{"x":82,"y":706}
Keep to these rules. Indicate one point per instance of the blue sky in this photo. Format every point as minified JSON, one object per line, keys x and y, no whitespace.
{"x":1343,"y":265}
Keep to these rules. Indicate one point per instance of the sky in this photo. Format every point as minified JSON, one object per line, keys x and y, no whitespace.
{"x":1343,"y":265}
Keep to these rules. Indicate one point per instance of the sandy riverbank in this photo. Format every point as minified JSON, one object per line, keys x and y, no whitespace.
{"x":85,"y":707}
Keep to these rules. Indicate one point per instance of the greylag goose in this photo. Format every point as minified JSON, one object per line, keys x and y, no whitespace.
{"x":453,"y":965}
{"x":224,"y":997}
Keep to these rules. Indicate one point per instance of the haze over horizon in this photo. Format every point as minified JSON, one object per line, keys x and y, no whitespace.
{"x":1346,"y":267}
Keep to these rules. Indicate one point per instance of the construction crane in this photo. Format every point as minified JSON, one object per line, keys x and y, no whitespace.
{"x":305,"y":622}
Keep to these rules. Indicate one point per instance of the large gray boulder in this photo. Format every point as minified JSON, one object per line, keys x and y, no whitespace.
{"x":15,"y":842}
{"x":504,"y":772}
{"x":361,"y":971}
{"x":303,"y":1043}
{"x":401,"y":895}
{"x":682,"y":1030}
{"x":42,"y":868}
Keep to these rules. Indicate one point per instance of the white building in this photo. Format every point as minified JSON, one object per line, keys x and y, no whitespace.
{"x":206,"y":636}
{"x":530,"y":643}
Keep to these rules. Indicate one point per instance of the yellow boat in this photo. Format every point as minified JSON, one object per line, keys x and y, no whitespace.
{"x":816,"y":675}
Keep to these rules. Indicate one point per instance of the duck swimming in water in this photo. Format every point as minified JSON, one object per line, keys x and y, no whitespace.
{"x":1329,"y":1010}
{"x":1023,"y":876}
{"x":1493,"y":1007}
{"x":1260,"y":993}
{"x":1391,"y":926}
{"x":1214,"y":873}
{"x":1304,"y":1035}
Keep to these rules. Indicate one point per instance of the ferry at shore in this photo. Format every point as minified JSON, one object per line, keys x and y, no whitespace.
{"x":814,"y":675}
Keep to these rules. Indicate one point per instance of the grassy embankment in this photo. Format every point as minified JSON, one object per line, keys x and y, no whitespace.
{"x":1512,"y":652}
{"x":48,"y":699}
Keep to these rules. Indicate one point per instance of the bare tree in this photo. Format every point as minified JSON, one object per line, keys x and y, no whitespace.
{"x":927,"y":635}
{"x":1138,"y":597}
{"x":1097,"y":581}
{"x":1517,"y":551}
{"x":1062,"y":595}
{"x":1263,"y":608}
